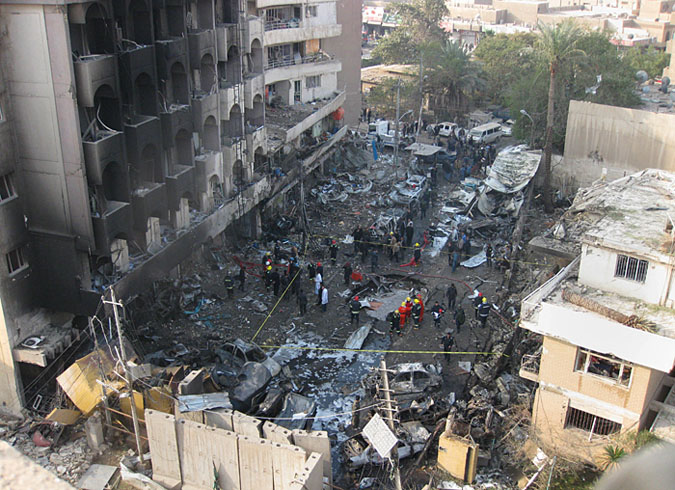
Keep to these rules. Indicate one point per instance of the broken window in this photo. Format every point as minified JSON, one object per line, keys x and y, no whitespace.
{"x":607,"y":366}
{"x":6,"y":187}
{"x":310,"y":11}
{"x":631,"y":268}
{"x":590,"y":423}
{"x":16,"y":260}
{"x":313,"y":82}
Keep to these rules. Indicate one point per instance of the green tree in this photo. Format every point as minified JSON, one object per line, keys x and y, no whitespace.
{"x":650,"y":60}
{"x":420,"y":25}
{"x":383,"y":97}
{"x":452,"y":78}
{"x":557,"y":45}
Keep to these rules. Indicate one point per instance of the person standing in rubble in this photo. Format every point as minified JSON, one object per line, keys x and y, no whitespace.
{"x":324,"y":298}
{"x":347,"y":272}
{"x":394,"y":318}
{"x":268,"y":278}
{"x":447,"y":342}
{"x":460,"y":317}
{"x":395,"y":248}
{"x":302,"y":302}
{"x":356,"y":413}
{"x":276,"y":280}
{"x":408,"y":308}
{"x":242,"y":277}
{"x":334,"y":248}
{"x":483,"y":312}
{"x":416,"y":312}
{"x":277,"y":252}
{"x":311,"y":271}
{"x":477,"y":301}
{"x":409,"y":233}
{"x":489,"y":253}
{"x":374,"y":260}
{"x":355,"y":310}
{"x":424,"y":205}
{"x":318,"y":280}
{"x":358,"y":236}
{"x":467,"y":247}
{"x":451,"y":293}
{"x":403,"y":314}
{"x":319,"y":268}
{"x":293,"y":270}
{"x":437,"y":313}
{"x":229,"y":285}
{"x":417,"y":255}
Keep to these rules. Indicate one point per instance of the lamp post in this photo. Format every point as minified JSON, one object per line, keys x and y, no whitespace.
{"x":524,"y":113}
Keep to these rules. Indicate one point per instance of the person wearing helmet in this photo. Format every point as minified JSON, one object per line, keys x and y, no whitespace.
{"x":416,"y":313}
{"x":319,"y":268}
{"x":447,"y":341}
{"x":408,"y":308}
{"x":395,"y":322}
{"x":229,"y":285}
{"x":477,"y":300}
{"x":334,"y":249}
{"x":417,"y":254}
{"x":355,"y":309}
{"x":268,"y":277}
{"x":403,"y":314}
{"x":484,"y":311}
{"x":276,"y":281}
{"x":318,"y":281}
{"x":437,"y":312}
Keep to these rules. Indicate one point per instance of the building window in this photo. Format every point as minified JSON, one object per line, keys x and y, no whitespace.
{"x":16,"y":260}
{"x":313,"y":82}
{"x":631,"y":268}
{"x":6,"y":187}
{"x":609,"y":367}
{"x":2,"y":114}
{"x":588,"y":422}
{"x":310,"y":11}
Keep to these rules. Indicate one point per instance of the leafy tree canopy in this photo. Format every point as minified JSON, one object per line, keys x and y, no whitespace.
{"x":650,"y":60}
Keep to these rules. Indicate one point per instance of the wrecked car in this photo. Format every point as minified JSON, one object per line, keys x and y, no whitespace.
{"x":410,"y":378}
{"x":238,"y":352}
{"x":252,"y":382}
{"x":407,"y":191}
{"x":296,"y":412}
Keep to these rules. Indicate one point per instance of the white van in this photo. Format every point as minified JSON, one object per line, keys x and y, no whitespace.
{"x":486,"y":133}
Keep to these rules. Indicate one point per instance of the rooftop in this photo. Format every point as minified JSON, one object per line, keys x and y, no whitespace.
{"x":628,"y":214}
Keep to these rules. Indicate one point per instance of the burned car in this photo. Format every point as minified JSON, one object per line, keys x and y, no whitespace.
{"x":409,"y":378}
{"x":408,"y":190}
{"x":252,"y":381}
{"x":238,"y":352}
{"x":296,"y":412}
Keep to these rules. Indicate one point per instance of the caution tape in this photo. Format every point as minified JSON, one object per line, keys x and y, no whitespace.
{"x":381,"y":351}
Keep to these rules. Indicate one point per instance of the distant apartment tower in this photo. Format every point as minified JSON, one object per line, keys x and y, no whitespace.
{"x":607,"y":321}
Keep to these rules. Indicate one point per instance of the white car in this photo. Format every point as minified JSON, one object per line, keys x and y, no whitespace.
{"x":507,"y":127}
{"x":445,"y":128}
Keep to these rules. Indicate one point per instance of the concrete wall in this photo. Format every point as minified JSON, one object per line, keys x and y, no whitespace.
{"x":623,"y":141}
{"x":597,"y":270}
{"x":347,"y":48}
{"x":489,"y":15}
{"x":520,"y":11}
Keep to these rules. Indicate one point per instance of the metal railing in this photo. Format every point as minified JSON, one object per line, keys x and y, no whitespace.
{"x":290,"y":60}
{"x":275,"y":25}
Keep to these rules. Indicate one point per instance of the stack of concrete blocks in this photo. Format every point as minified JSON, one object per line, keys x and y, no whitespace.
{"x":316,"y":442}
{"x":245,"y":453}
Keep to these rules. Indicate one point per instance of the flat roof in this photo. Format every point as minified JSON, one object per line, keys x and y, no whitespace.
{"x":628,"y":214}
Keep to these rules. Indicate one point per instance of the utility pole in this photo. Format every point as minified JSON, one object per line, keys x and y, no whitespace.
{"x":419,"y":117}
{"x":101,"y":373}
{"x":127,"y":374}
{"x":398,"y":109}
{"x":390,"y":422}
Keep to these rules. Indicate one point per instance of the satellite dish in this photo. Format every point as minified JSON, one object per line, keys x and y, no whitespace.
{"x":665,"y":81}
{"x":642,"y":76}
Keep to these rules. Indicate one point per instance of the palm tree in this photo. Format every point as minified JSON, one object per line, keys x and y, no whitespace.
{"x":556,"y":46}
{"x":452,"y":76}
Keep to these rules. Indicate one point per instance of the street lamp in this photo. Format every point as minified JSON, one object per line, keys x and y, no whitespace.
{"x":524,"y":113}
{"x":405,"y":114}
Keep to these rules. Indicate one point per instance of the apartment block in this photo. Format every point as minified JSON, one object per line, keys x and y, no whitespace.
{"x":606,"y":322}
{"x":136,"y":131}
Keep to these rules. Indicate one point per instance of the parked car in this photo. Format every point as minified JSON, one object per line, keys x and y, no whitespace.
{"x":238,"y":352}
{"x":507,"y":127}
{"x":445,"y":128}
{"x":486,"y":133}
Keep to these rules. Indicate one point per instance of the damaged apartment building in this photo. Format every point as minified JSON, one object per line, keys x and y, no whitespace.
{"x":603,"y":351}
{"x":133,"y":132}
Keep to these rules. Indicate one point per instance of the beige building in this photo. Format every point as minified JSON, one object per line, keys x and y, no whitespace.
{"x":607,"y":321}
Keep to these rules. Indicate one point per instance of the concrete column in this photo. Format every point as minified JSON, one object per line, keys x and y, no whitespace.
{"x":119,"y":254}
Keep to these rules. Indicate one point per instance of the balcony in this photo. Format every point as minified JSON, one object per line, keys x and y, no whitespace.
{"x":206,"y":165}
{"x":253,"y":84}
{"x":178,"y":117}
{"x":201,"y":42}
{"x":148,"y":201}
{"x":115,"y":221}
{"x":253,"y":29}
{"x":139,"y":132}
{"x":529,"y":366}
{"x":138,"y":59}
{"x":288,"y":68}
{"x":97,"y":154}
{"x":293,"y":31}
{"x":230,"y":94}
{"x":255,"y":138}
{"x":168,"y":52}
{"x":226,"y":37}
{"x":91,"y":72}
{"x":180,"y":183}
{"x":203,"y":105}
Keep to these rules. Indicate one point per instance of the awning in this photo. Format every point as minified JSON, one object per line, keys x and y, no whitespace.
{"x":423,"y":150}
{"x":513,"y":169}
